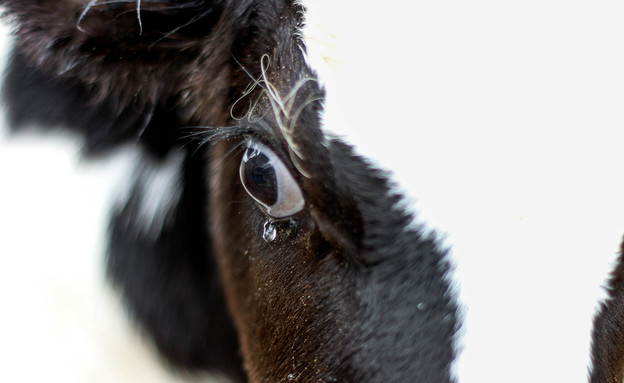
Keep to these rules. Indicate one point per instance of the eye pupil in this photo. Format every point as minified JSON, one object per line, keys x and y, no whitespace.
{"x":266,"y":179}
{"x":259,"y":177}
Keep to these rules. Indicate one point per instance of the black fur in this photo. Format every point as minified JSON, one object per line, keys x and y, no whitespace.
{"x":607,"y":352}
{"x":169,"y":278}
{"x":347,"y":292}
{"x":37,"y":98}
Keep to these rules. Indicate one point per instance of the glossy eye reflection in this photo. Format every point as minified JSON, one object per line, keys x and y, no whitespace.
{"x":267,"y":180}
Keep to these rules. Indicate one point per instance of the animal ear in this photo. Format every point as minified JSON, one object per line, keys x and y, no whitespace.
{"x":34,"y":97}
{"x":108,"y":68}
{"x":159,"y":257}
{"x":119,"y":71}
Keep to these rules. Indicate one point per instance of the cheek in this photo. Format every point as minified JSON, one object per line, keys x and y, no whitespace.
{"x":282,"y":296}
{"x":258,"y":258}
{"x":228,"y":227}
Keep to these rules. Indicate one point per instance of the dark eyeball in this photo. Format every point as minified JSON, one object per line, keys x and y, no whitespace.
{"x":267,"y":180}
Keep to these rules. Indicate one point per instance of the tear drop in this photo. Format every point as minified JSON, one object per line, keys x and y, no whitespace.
{"x":270,"y":232}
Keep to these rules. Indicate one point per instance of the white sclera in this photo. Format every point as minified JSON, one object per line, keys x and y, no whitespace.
{"x":289,"y":197}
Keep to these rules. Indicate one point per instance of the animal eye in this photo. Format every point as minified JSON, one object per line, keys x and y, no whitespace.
{"x":267,"y":180}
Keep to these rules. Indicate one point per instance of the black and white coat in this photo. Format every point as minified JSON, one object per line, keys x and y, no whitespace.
{"x":323,"y":273}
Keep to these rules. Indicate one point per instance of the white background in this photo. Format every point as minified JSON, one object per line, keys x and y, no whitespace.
{"x":504,"y":120}
{"x":59,"y":319}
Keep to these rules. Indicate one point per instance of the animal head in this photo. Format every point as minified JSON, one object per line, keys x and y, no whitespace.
{"x":252,"y":241}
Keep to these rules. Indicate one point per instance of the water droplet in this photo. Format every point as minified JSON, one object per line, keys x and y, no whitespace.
{"x":291,"y":377}
{"x":421,"y":306}
{"x":270,"y":232}
{"x":291,"y":227}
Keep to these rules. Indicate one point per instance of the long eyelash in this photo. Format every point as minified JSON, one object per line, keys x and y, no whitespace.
{"x":215,"y":134}
{"x":233,"y":153}
{"x":211,"y":136}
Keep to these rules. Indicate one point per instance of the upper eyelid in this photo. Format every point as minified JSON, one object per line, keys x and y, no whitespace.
{"x":257,"y":135}
{"x":253,"y":133}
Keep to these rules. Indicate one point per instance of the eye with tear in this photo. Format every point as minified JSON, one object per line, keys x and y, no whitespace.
{"x":267,"y":180}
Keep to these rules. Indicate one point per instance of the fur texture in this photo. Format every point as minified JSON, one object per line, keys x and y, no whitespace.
{"x":608,"y":333}
{"x":347,"y":290}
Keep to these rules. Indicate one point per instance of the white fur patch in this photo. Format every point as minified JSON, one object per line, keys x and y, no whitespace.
{"x":504,"y":121}
{"x":158,"y":186}
{"x":60,"y":320}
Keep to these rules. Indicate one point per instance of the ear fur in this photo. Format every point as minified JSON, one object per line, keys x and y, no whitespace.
{"x":37,"y":98}
{"x":121,"y":49}
{"x":117,"y":76}
{"x":107,"y":68}
{"x":166,"y":275}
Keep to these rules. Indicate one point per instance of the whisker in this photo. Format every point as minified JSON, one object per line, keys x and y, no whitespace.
{"x":290,"y":98}
{"x":190,"y":22}
{"x":294,"y":119}
{"x":138,"y":10}
{"x":298,"y":166}
{"x":248,"y":90}
{"x":84,"y":13}
{"x":160,"y":7}
{"x":246,"y":93}
{"x":282,"y":107}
